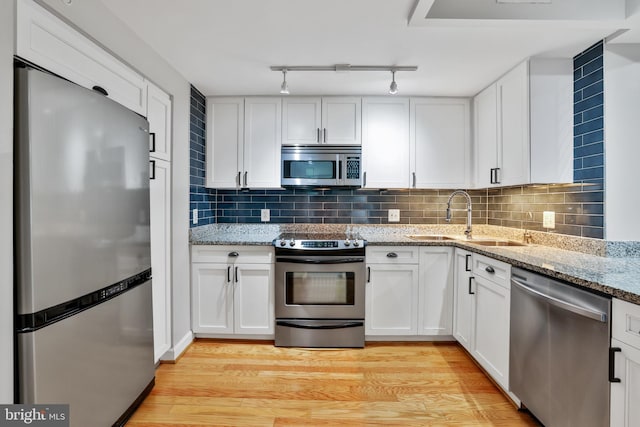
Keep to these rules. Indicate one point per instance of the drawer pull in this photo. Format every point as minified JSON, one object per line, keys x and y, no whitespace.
{"x":392,"y":255}
{"x":234,"y":254}
{"x":489,"y":269}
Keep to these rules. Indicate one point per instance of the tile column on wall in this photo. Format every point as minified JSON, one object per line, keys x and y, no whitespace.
{"x":200,"y":197}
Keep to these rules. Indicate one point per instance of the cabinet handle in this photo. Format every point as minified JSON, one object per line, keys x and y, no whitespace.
{"x":235,"y":274}
{"x":318,"y":135}
{"x":612,"y":364}
{"x":470,"y":291}
{"x":153,"y":142}
{"x":414,"y":179}
{"x":233,"y":254}
{"x":368,"y":274}
{"x":245,"y":178}
{"x":228,"y":274}
{"x":100,"y":90}
{"x":491,"y":176}
{"x":238,"y":179}
{"x":466,"y":262}
{"x":324,"y":135}
{"x":364,"y":179}
{"x":489,"y":269}
{"x":153,"y":169}
{"x":392,"y":255}
{"x":497,"y":176}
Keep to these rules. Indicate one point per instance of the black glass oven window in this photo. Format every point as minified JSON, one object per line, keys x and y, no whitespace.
{"x":320,"y":288}
{"x":310,"y":169}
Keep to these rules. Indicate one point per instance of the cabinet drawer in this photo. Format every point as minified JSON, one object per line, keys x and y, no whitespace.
{"x":50,"y":43}
{"x":497,"y":271}
{"x":221,"y":254}
{"x":385,"y":255}
{"x":625,"y":324}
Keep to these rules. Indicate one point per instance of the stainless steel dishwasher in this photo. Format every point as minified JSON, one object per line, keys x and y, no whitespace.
{"x":559,"y":351}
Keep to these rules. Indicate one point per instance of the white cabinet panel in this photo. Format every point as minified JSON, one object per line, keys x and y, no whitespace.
{"x":253,"y":299}
{"x":225,"y":137}
{"x":391,"y":303}
{"x":435,"y":309}
{"x":159,"y":114}
{"x":341,"y":120}
{"x":160,"y":210}
{"x":262,"y":125}
{"x":385,"y":142}
{"x":440,"y":142}
{"x":625,"y":395}
{"x":47,"y":41}
{"x":212,"y":298}
{"x":463,"y":299}
{"x":485,"y":107}
{"x":301,"y":120}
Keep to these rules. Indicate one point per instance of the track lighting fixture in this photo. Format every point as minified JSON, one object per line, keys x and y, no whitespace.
{"x":393,"y":88}
{"x":284,"y":87}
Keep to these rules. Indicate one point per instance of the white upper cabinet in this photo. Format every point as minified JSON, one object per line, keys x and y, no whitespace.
{"x":440,"y":143}
{"x":262,"y":125}
{"x":523,"y":126}
{"x":329,"y":120}
{"x":385,"y":142}
{"x":47,"y":41}
{"x":159,"y":117}
{"x":225,"y":139}
{"x":243,"y":142}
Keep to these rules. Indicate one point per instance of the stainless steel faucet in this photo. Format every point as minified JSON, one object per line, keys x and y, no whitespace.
{"x":467,"y":232}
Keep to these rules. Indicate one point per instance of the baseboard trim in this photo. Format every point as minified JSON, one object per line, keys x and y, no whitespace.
{"x":174,"y":353}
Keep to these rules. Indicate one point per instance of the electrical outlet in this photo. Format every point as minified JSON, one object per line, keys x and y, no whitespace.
{"x":394,"y":215}
{"x":195,"y":216}
{"x":265,"y":215}
{"x":549,"y":219}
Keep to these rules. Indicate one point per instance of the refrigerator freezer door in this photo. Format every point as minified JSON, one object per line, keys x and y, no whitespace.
{"x":83,"y":191}
{"x":98,"y":361}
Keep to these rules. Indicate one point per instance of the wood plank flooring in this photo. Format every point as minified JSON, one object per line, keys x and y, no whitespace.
{"x":248,"y":383}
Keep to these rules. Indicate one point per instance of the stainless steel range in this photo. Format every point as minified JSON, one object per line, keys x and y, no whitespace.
{"x":319,"y":289}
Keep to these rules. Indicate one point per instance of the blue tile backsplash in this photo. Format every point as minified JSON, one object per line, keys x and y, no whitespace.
{"x":579,"y":207}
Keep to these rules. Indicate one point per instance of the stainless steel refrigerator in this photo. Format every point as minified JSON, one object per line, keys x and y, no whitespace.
{"x":84,"y":331}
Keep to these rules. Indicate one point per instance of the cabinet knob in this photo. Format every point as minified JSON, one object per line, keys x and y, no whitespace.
{"x":489,"y":269}
{"x":392,"y":255}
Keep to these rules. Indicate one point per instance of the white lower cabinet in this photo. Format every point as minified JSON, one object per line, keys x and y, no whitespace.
{"x":482,"y":304}
{"x":625,"y":342}
{"x":232,"y":290}
{"x":409,"y":291}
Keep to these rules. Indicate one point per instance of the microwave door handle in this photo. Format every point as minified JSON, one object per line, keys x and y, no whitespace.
{"x":340,"y":170}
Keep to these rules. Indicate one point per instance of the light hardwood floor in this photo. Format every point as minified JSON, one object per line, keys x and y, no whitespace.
{"x":231,"y":383}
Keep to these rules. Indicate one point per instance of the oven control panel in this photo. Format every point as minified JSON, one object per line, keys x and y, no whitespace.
{"x":291,"y":243}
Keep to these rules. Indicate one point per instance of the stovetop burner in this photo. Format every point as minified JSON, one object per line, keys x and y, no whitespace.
{"x":328,"y":241}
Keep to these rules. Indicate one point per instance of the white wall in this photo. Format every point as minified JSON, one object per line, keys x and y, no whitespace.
{"x":7,"y":31}
{"x":622,"y":147}
{"x":95,"y":20}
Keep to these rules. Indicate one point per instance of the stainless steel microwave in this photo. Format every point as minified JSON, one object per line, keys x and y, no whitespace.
{"x":321,"y":166}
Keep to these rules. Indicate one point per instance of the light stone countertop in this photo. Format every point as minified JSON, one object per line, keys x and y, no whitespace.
{"x":618,"y":276}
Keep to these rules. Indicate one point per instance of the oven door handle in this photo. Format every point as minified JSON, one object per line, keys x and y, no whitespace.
{"x":320,"y":261}
{"x":336,"y":325}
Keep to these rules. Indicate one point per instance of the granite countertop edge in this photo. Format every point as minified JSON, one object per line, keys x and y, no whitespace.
{"x":586,"y":271}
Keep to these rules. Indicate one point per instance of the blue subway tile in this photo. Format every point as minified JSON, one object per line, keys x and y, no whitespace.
{"x":592,"y":161}
{"x":589,"y":103}
{"x":596,"y":112}
{"x":588,"y":55}
{"x":592,"y":137}
{"x":593,"y":89}
{"x":589,"y":150}
{"x":590,"y":126}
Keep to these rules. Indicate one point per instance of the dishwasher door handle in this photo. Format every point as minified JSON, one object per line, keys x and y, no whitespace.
{"x":582,"y":311}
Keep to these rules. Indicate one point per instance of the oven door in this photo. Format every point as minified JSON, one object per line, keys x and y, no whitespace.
{"x":320,"y":287}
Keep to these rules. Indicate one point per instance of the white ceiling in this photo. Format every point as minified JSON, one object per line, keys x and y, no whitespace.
{"x":225,"y":47}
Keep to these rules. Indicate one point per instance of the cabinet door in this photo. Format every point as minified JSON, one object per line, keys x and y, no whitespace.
{"x":212,"y":298}
{"x":391,"y":300}
{"x":436,"y":291}
{"x":45,"y":40}
{"x":385,"y":142}
{"x":225,"y":137}
{"x":159,"y":116}
{"x":513,"y":120}
{"x":160,"y":210}
{"x":625,"y":395}
{"x":440,"y":141}
{"x":253,"y":299}
{"x":342,"y":120}
{"x":463,"y":299}
{"x":301,"y":120}
{"x":491,"y":329}
{"x":262,"y":125}
{"x":485,"y":108}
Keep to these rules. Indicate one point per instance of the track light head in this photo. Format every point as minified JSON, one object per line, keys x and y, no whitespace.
{"x":284,"y":87}
{"x":393,"y":88}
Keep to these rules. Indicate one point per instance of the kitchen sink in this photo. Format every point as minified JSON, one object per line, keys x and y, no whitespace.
{"x":495,"y":242}
{"x":429,"y":237}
